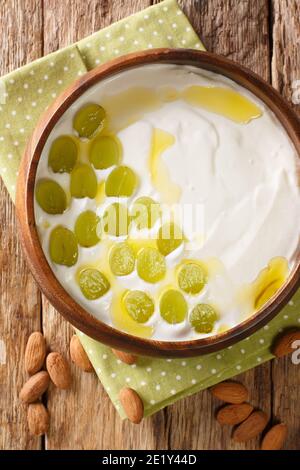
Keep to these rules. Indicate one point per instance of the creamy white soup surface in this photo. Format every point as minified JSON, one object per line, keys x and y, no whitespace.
{"x":216,"y":231}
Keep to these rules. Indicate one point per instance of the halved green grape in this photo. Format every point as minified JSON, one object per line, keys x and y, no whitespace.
{"x":139,"y":305}
{"x":88,"y":229}
{"x":50,"y":196}
{"x":173,"y":306}
{"x":116,"y":220}
{"x":191,"y":278}
{"x":83,"y":182}
{"x":170,"y":237}
{"x":104,"y":152}
{"x":121,"y":181}
{"x":63,"y":154}
{"x":203,"y":318}
{"x":63,"y":246}
{"x":145,"y":212}
{"x":122,"y":259}
{"x":89,"y":119}
{"x":151,"y":265}
{"x":93,"y":283}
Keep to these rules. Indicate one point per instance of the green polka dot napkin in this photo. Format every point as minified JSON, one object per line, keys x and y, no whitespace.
{"x":24,"y":95}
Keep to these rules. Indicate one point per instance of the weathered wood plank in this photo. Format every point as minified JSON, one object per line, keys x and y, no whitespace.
{"x":20,"y":42}
{"x":286,"y":78}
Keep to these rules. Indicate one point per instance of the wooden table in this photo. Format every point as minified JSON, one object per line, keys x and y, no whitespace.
{"x":261,"y":34}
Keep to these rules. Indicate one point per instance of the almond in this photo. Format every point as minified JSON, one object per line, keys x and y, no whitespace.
{"x":252,"y":427}
{"x":275,"y":437}
{"x":231,"y":392}
{"x":59,"y":370}
{"x":79,"y":356}
{"x":234,"y":414}
{"x":35,"y":387}
{"x":38,"y":419}
{"x":132,"y":404}
{"x":283,"y":344}
{"x":125,"y":357}
{"x":35,"y":353}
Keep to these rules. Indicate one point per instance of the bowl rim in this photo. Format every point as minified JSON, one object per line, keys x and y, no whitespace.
{"x":41,"y":270}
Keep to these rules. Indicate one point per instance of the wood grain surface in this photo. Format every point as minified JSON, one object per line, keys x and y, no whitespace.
{"x":262,"y":34}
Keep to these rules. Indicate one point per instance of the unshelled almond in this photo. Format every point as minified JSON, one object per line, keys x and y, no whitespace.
{"x":284,"y":343}
{"x":59,"y":370}
{"x":35,"y":352}
{"x":230,"y":392}
{"x":35,"y":387}
{"x":132,"y":404}
{"x":125,"y":357}
{"x":234,"y":414}
{"x":79,"y":356}
{"x":38,"y":419}
{"x":251,"y":427}
{"x":275,"y":437}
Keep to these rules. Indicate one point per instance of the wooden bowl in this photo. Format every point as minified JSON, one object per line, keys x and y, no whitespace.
{"x":39,"y":266}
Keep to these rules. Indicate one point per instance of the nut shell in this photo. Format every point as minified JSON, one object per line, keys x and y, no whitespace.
{"x":275,"y":437}
{"x":283,"y":344}
{"x":125,"y":357}
{"x":234,"y":414}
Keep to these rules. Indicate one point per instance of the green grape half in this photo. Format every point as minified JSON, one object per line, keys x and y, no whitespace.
{"x":83,"y":182}
{"x":63,"y":154}
{"x":173,"y":306}
{"x":151,"y":265}
{"x":89,"y":119}
{"x":116,"y":220}
{"x":63,"y":246}
{"x":50,"y":196}
{"x":88,"y":229}
{"x":104,"y":152}
{"x":93,"y":283}
{"x":170,"y":237}
{"x":122,"y":181}
{"x":139,"y":305}
{"x":122,"y":259}
{"x":145,"y":212}
{"x":191,"y":278}
{"x":203,"y":318}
